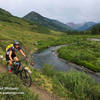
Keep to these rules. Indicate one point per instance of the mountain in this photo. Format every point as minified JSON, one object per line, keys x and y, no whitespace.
{"x":71,"y":24}
{"x":86,"y":26}
{"x":50,"y":23}
{"x":82,"y":26}
{"x":74,"y":26}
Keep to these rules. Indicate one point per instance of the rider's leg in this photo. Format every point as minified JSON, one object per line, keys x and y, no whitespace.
{"x":9,"y":63}
{"x":16,"y":60}
{"x":9,"y":66}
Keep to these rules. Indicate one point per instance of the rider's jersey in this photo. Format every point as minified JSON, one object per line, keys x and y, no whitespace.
{"x":13,"y":49}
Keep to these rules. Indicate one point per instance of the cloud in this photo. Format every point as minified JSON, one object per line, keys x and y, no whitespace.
{"x":63,"y":10}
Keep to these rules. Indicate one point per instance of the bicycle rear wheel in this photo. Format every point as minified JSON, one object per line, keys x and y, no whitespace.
{"x":26,"y":77}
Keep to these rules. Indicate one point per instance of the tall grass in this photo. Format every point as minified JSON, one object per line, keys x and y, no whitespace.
{"x":12,"y":81}
{"x":73,"y":84}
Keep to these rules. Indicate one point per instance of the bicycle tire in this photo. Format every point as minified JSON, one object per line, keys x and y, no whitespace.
{"x":25,"y":75}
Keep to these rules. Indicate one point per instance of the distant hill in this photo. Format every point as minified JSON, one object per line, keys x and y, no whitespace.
{"x":50,"y":23}
{"x":82,"y":26}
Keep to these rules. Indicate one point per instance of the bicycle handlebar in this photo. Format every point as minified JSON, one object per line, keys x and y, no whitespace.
{"x":23,"y":59}
{"x":20,"y":60}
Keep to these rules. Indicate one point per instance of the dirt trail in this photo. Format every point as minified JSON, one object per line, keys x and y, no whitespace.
{"x":43,"y":95}
{"x":3,"y":69}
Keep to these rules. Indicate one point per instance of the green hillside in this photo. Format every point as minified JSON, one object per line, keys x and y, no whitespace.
{"x":14,"y":28}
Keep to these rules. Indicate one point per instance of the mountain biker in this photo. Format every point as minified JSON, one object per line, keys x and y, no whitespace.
{"x":11,"y":54}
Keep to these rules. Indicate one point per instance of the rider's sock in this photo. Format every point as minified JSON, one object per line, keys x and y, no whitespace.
{"x":9,"y":68}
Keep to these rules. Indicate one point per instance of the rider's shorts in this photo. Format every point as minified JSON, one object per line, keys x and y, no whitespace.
{"x":7,"y":57}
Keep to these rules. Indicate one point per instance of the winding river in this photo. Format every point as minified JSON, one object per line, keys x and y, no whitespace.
{"x":50,"y":56}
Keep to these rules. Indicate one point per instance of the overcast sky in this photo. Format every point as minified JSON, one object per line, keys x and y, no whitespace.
{"x":63,"y":10}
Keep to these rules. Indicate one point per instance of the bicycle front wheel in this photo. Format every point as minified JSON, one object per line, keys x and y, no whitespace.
{"x":26,"y":78}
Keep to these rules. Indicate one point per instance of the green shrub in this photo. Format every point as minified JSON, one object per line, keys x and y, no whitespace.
{"x":83,"y":87}
{"x":48,"y":70}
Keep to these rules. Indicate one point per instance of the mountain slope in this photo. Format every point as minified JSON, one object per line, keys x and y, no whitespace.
{"x":4,"y":15}
{"x":3,"y":12}
{"x":53,"y":24}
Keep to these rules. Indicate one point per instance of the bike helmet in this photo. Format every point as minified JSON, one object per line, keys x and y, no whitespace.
{"x":16,"y":43}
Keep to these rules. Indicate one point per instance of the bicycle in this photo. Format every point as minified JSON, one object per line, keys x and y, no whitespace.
{"x":19,"y":69}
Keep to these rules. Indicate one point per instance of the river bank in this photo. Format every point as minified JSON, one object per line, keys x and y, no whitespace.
{"x":50,"y":56}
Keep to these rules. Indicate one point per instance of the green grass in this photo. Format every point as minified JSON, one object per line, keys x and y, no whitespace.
{"x":83,"y":52}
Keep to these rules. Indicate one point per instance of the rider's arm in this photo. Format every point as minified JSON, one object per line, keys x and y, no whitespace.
{"x":10,"y":53}
{"x":21,"y":51}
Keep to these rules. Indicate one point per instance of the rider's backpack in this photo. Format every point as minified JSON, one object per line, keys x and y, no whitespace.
{"x":8,"y":47}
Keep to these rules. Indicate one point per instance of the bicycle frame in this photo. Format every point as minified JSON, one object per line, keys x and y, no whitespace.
{"x":16,"y":67}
